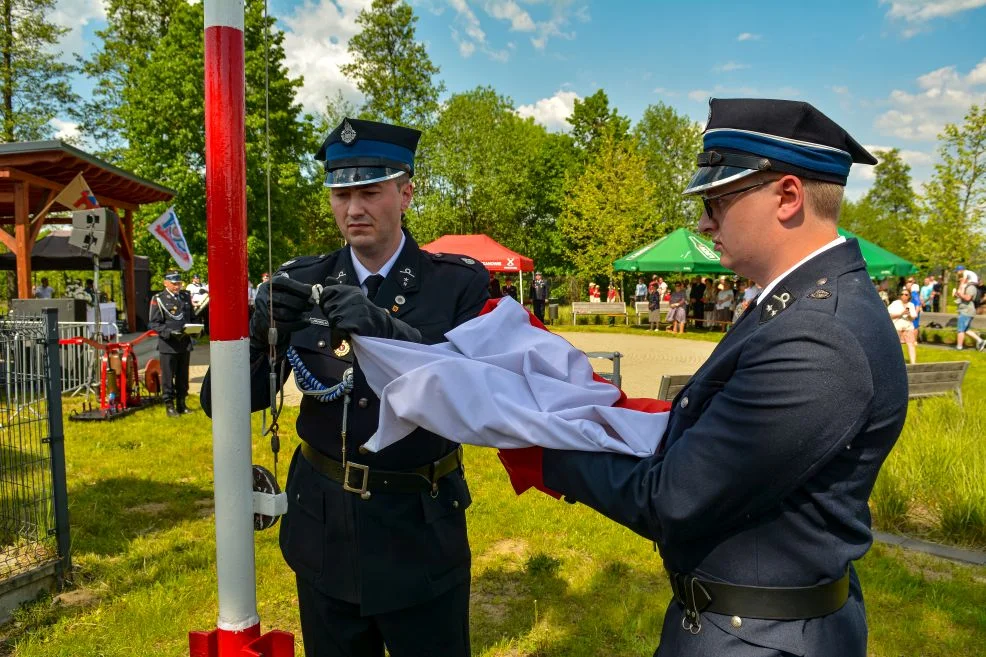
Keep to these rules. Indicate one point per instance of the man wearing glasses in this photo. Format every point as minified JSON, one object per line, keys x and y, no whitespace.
{"x":757,"y":496}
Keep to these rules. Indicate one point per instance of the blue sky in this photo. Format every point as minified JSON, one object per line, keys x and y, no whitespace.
{"x":892,"y":72}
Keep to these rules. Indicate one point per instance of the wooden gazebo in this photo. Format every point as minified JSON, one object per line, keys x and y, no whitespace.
{"x":31,"y":176}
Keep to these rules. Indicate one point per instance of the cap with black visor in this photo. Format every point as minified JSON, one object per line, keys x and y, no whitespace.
{"x":361,"y":152}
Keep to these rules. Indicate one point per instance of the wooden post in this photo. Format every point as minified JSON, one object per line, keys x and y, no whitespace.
{"x":22,"y":239}
{"x":129,"y":283}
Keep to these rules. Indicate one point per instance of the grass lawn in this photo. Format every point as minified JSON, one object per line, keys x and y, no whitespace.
{"x":549,"y":579}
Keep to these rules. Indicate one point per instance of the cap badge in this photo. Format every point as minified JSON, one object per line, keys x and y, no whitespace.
{"x":342,"y":349}
{"x":469,"y":261}
{"x":348,"y":135}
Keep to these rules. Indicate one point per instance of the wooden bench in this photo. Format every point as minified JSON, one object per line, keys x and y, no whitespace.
{"x":930,"y":379}
{"x":589,"y":308}
{"x":614,"y":356}
{"x":671,"y":385}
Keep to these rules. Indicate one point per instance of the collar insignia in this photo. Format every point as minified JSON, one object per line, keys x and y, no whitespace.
{"x":778,"y":302}
{"x":820,"y":294}
{"x":407,"y":270}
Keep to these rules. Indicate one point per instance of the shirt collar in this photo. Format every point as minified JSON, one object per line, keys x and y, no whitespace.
{"x":362,"y":273}
{"x":817,"y":252}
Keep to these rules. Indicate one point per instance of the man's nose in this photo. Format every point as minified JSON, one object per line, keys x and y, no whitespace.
{"x":706,"y":224}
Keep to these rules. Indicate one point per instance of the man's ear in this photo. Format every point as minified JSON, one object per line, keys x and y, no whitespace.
{"x":790,"y":191}
{"x":407,"y":193}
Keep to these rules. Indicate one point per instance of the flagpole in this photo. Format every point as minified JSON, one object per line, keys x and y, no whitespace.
{"x":237,"y":632}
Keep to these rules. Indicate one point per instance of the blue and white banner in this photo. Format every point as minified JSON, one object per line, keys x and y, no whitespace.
{"x":168,"y":231}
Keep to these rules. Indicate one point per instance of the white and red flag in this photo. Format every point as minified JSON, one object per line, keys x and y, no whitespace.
{"x":168,"y":231}
{"x":77,"y":196}
{"x":503,"y":381}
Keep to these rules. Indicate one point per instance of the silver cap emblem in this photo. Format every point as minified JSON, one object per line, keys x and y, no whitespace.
{"x":348,"y":135}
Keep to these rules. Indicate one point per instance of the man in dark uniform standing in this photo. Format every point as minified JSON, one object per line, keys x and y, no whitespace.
{"x":757,"y":496}
{"x":171,"y":310}
{"x":539,"y":295}
{"x":377,"y":541}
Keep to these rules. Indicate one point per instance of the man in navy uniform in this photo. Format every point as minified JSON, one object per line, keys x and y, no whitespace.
{"x":757,"y":496}
{"x":377,"y":541}
{"x":171,"y":310}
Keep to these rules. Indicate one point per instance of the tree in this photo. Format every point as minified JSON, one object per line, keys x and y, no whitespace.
{"x":34,"y":84}
{"x":609,"y":209}
{"x":670,"y":142}
{"x":133,"y":30}
{"x":392,"y":70}
{"x":592,"y":118}
{"x":954,"y":204}
{"x":165,"y":116}
{"x":887,"y":214}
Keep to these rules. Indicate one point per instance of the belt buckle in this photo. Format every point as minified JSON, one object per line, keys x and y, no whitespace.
{"x":363,"y":493}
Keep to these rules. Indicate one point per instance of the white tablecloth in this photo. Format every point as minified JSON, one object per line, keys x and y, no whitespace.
{"x":107,"y":319}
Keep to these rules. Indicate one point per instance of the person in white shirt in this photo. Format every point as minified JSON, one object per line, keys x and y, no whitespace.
{"x":904,"y":312}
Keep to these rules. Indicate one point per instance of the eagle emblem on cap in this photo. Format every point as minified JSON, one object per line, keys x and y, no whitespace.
{"x":348,"y":134}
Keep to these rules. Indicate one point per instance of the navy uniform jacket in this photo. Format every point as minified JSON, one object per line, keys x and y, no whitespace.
{"x":170,"y":312}
{"x":769,"y":458}
{"x":395,"y":549}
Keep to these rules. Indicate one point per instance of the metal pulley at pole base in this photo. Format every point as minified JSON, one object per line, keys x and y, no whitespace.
{"x":237,"y":632}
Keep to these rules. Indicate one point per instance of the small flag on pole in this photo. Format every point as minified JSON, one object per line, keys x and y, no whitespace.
{"x":168,"y":231}
{"x":77,"y":196}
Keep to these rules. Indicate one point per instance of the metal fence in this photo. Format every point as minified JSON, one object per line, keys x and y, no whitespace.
{"x":33,"y":500}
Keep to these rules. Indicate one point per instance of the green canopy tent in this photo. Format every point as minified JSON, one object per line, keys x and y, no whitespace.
{"x":680,"y":250}
{"x":880,"y":263}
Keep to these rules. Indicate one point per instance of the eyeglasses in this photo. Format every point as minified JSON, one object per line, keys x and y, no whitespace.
{"x":708,"y":201}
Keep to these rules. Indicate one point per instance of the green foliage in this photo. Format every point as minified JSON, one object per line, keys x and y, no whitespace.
{"x":887,"y":214}
{"x":392,"y":70}
{"x":670,"y":142}
{"x":609,"y":208}
{"x":34,"y":84}
{"x":592,"y":118}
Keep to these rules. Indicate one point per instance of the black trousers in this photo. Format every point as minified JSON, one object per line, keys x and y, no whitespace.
{"x":538,"y":308}
{"x":174,"y":376}
{"x":436,"y":628}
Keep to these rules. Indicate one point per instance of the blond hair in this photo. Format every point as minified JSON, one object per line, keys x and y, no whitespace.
{"x":823,"y":198}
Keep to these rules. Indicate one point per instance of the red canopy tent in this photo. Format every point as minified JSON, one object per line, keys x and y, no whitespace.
{"x":488,"y":251}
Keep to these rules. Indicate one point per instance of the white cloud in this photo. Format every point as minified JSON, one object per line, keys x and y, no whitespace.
{"x":912,"y":157}
{"x":666,"y":92}
{"x":75,"y":15}
{"x":552,"y":112}
{"x":842,"y":91}
{"x":66,"y":130}
{"x":944,"y":96}
{"x":700,"y":95}
{"x":748,"y":36}
{"x":520,"y":20}
{"x":919,"y":11}
{"x":730,"y":66}
{"x":467,"y":26}
{"x":316,"y":39}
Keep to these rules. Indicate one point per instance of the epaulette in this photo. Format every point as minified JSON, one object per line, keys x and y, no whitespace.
{"x":457,"y":259}
{"x":302,"y":261}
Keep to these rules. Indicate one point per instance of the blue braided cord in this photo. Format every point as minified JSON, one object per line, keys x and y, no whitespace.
{"x":307,"y":382}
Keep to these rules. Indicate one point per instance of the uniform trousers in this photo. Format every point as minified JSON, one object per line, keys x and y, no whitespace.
{"x":538,"y":309}
{"x":333,"y":628}
{"x":174,"y":376}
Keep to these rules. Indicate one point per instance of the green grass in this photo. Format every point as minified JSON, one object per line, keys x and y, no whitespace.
{"x":549,"y":579}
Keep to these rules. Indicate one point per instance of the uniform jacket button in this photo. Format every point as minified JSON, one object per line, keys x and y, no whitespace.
{"x":736,"y":621}
{"x":321,"y":344}
{"x":684,"y":402}
{"x":363,"y":402}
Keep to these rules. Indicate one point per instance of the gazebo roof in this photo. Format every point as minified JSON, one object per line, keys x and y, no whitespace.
{"x":50,"y":165}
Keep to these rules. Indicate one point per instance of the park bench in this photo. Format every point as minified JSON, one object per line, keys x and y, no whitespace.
{"x":613,"y":356}
{"x":589,"y":308}
{"x":930,"y":379}
{"x":671,"y":385}
{"x":640,"y":307}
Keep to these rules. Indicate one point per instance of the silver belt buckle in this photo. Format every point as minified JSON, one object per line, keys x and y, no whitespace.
{"x":361,"y":491}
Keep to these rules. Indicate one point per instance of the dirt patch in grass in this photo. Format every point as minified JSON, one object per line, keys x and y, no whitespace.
{"x":150,"y":509}
{"x":491,"y":599}
{"x":205,"y":506}
{"x":75,"y":598}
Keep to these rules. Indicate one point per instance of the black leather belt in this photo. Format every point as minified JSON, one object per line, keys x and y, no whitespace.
{"x":766,"y":602}
{"x":361,"y":480}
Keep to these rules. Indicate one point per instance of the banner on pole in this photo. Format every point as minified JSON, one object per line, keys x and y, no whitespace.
{"x":77,"y":196}
{"x":168,"y":231}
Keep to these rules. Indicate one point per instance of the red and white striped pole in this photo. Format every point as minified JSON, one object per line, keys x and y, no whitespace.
{"x":237,"y":632}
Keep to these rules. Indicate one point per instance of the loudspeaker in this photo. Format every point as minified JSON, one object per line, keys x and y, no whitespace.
{"x":95,"y":231}
{"x":69,"y":310}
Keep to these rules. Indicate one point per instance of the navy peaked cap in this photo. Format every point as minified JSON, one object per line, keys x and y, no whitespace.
{"x":363,"y":152}
{"x":173,"y":276}
{"x":747,"y":135}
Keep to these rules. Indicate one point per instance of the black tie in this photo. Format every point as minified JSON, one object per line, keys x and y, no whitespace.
{"x":373,"y":284}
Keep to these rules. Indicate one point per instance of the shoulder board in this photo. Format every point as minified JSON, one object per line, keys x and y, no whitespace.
{"x":457,"y":259}
{"x":303,"y":261}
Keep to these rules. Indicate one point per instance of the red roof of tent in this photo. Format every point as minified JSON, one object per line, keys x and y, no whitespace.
{"x":488,"y":251}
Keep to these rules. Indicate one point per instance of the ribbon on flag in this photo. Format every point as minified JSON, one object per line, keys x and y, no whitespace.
{"x":168,"y":231}
{"x":77,"y":196}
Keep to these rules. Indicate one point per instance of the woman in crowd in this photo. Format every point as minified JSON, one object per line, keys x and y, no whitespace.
{"x":676,"y":314}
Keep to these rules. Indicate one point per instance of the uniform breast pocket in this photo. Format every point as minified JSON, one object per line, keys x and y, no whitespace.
{"x":691,"y":403}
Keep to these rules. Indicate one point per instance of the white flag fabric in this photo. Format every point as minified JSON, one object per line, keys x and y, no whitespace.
{"x":500,"y":382}
{"x":77,"y":196}
{"x":168,"y":231}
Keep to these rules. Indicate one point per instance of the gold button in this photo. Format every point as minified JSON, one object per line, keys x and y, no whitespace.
{"x":736,"y":621}
{"x":684,"y":402}
{"x":321,"y":344}
{"x":455,"y":504}
{"x":363,"y":402}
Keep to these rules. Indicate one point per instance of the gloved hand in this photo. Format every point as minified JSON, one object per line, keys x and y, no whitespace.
{"x":525,"y":467}
{"x":289,"y":301}
{"x":350,"y":312}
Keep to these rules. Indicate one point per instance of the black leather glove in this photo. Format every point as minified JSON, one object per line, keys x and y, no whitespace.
{"x":350,"y":312}
{"x":289,"y":301}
